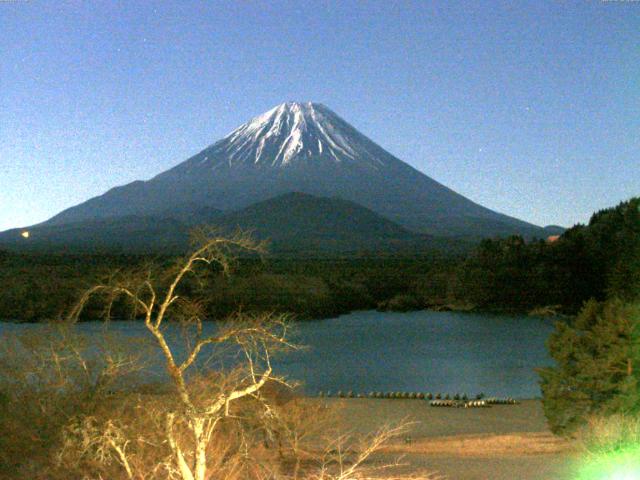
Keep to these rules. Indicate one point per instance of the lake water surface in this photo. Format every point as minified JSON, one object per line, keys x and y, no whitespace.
{"x":447,"y":352}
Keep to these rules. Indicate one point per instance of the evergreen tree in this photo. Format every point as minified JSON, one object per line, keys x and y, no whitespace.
{"x":597,"y":365}
{"x":623,"y":275}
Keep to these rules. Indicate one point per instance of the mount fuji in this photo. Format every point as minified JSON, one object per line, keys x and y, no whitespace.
{"x":306,"y":148}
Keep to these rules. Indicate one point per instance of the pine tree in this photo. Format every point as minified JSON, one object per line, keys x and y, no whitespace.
{"x":597,"y":365}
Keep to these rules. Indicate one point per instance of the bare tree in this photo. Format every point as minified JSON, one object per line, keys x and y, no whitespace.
{"x":49,"y":377}
{"x":213,"y":423}
{"x":256,"y":337}
{"x":346,"y":458}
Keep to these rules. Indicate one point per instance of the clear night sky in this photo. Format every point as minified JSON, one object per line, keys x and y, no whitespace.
{"x":531,"y":108}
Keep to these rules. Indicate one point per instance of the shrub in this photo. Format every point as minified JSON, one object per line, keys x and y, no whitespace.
{"x":604,"y":434}
{"x":610,"y":447}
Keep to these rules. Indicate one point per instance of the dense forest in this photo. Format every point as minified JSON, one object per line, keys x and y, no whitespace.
{"x":597,"y":371}
{"x":598,"y":260}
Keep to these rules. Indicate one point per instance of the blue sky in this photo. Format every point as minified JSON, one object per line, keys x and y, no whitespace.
{"x":531,"y":108}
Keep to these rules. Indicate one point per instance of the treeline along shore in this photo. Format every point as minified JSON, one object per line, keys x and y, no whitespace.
{"x":557,"y":275}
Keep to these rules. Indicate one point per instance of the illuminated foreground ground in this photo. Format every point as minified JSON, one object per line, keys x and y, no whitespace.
{"x":619,"y":465}
{"x":497,"y":443}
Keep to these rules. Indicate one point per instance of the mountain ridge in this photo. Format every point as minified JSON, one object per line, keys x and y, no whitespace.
{"x":293,"y":222}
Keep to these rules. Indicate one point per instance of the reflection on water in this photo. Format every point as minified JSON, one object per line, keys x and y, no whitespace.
{"x":446,"y":352}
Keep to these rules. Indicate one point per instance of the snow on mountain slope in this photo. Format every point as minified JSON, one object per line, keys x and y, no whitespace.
{"x":291,"y":133}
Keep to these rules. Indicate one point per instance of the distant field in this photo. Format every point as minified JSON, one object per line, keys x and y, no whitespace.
{"x":504,"y":442}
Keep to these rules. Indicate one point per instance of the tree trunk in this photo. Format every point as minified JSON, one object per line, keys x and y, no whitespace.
{"x":185,"y":471}
{"x":200,"y":467}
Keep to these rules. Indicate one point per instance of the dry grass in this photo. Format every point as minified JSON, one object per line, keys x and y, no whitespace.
{"x":525,"y":443}
{"x":604,"y":434}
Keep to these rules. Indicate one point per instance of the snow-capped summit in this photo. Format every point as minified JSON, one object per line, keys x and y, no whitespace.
{"x":307,"y":148}
{"x":289,"y":133}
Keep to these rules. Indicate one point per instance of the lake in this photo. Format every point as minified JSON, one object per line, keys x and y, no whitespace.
{"x":446,"y":352}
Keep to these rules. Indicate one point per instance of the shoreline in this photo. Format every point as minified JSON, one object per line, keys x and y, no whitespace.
{"x":504,"y":442}
{"x":294,"y":318}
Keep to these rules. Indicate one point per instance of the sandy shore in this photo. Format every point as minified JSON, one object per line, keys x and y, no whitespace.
{"x":510,"y":442}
